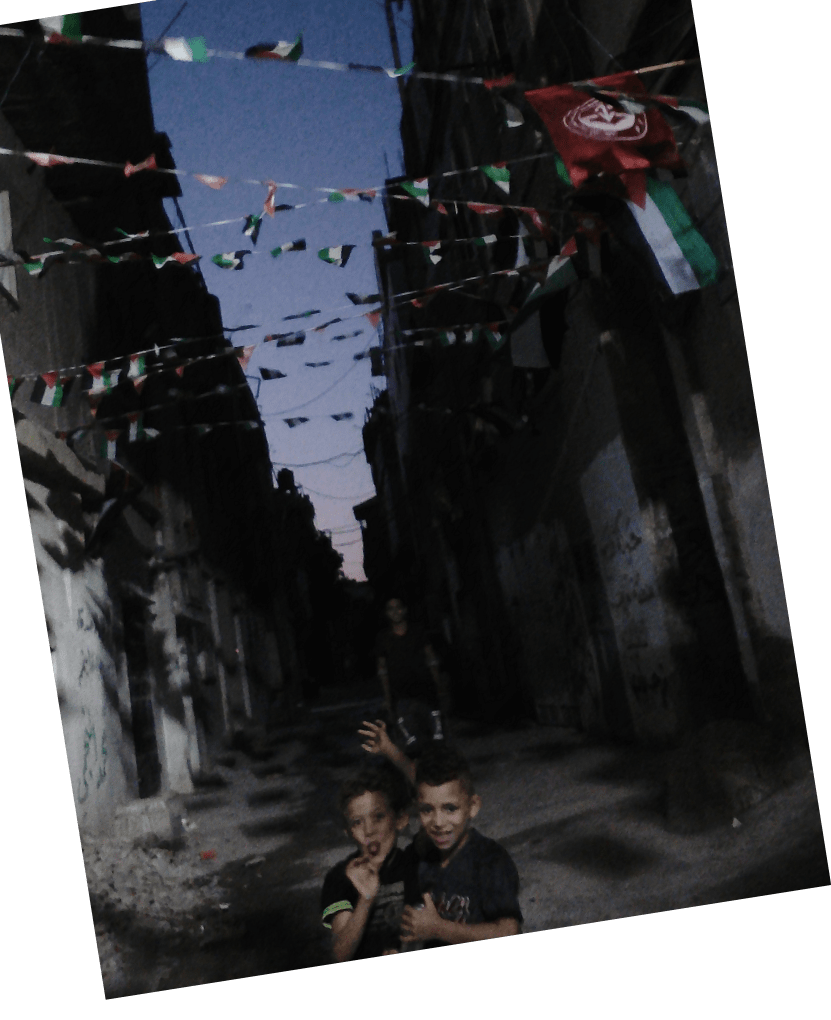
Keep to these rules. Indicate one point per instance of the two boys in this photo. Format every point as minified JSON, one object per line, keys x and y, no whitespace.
{"x":450,"y":885}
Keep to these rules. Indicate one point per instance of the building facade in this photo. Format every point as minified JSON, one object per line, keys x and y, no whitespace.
{"x":164,"y":572}
{"x":583,"y":508}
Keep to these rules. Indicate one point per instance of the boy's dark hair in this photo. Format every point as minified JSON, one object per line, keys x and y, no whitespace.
{"x":381,"y":777}
{"x":441,"y":764}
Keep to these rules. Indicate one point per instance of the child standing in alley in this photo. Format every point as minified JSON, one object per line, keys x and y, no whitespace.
{"x":468,"y":886}
{"x":364,"y":895}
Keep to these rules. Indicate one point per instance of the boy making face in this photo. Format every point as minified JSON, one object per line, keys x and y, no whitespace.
{"x":363,"y":896}
{"x":469,"y":883}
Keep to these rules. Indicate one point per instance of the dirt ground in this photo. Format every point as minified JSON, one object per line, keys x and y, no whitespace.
{"x":585,"y":822}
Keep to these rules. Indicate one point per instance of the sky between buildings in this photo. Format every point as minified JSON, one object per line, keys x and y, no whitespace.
{"x":305,"y":126}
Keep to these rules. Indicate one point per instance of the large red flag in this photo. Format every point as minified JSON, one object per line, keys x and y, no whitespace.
{"x":594,"y":136}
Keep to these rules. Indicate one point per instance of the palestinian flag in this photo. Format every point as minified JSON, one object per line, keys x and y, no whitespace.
{"x":193,"y":51}
{"x":469,"y":336}
{"x":541,"y":221}
{"x":290,"y":51}
{"x":129,"y":256}
{"x":147,"y":164}
{"x":495,"y":337}
{"x":100,"y":381}
{"x":179,"y":257}
{"x":399,"y":71}
{"x":293,"y":422}
{"x":342,"y":416}
{"x":302,"y":315}
{"x":432,"y":251}
{"x":47,"y":159}
{"x":325,"y":325}
{"x":352,"y":195}
{"x":288,"y":246}
{"x":131,"y":237}
{"x":338,"y":256}
{"x":230,"y":259}
{"x":244,"y":355}
{"x":500,"y":83}
{"x":597,"y":137}
{"x":13,"y":384}
{"x":35,"y":266}
{"x":418,"y":190}
{"x":50,"y":389}
{"x":561,"y":273}
{"x":446,"y":337}
{"x":663,"y":233}
{"x":269,"y":207}
{"x":272,"y":373}
{"x":361,"y":355}
{"x":481,"y":242}
{"x":252,"y":226}
{"x":66,"y":28}
{"x":138,"y":367}
{"x":203,"y":430}
{"x":485,"y":209}
{"x":211,"y":181}
{"x":348,"y":336}
{"x":248,"y":426}
{"x":500,"y":175}
{"x":69,"y":244}
{"x":364,"y":299}
{"x":317,"y":364}
{"x":290,"y":339}
{"x":136,"y":429}
{"x":109,"y":441}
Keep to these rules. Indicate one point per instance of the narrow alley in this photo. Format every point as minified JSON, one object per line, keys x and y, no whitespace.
{"x":586,"y":822}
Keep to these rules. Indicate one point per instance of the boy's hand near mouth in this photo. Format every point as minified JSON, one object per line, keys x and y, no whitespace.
{"x":362,"y":872}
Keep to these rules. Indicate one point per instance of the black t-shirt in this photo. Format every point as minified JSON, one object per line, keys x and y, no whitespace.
{"x":407,"y":669}
{"x":398,"y":887}
{"x":480,"y":884}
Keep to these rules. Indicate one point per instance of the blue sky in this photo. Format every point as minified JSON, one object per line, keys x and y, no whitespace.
{"x":315,"y":128}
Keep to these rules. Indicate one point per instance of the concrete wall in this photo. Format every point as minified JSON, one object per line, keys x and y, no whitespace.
{"x":92,"y":692}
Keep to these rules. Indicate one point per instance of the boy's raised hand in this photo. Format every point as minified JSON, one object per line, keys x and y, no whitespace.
{"x":377,"y":739}
{"x":419,"y":923}
{"x":364,"y":876}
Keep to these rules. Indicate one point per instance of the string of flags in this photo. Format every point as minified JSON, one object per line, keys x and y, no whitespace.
{"x":416,"y":190}
{"x":101,"y":377}
{"x":66,"y":30}
{"x":108,"y":441}
{"x":72,"y":251}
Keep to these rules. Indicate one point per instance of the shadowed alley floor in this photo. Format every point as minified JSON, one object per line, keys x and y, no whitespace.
{"x":583,"y":821}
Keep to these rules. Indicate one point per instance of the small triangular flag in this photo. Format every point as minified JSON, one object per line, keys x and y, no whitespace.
{"x":290,"y":51}
{"x":230,"y":259}
{"x":147,"y":164}
{"x":338,"y":256}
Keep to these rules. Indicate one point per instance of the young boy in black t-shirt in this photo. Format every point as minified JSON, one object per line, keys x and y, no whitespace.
{"x":466,"y":885}
{"x":364,"y":895}
{"x":469,"y":884}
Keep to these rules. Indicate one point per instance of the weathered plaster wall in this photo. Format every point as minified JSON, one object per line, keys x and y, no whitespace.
{"x":93,"y":694}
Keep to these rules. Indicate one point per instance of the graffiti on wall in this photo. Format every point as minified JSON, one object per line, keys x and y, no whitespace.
{"x":94,"y":767}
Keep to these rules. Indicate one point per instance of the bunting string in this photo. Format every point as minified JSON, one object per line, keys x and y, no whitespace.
{"x":412,"y":298}
{"x":66,"y":31}
{"x":78,"y":253}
